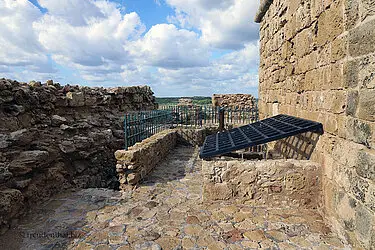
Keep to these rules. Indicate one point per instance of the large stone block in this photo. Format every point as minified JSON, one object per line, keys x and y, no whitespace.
{"x":352,"y":102}
{"x":366,"y":69}
{"x":217,"y":191}
{"x":358,"y":131}
{"x":362,"y":39}
{"x":366,"y":164}
{"x":366,"y":104}
{"x":75,"y":99}
{"x":29,"y":160}
{"x":364,"y":222}
{"x":337,"y":80}
{"x":302,"y":43}
{"x":351,"y":13}
{"x":351,"y":73}
{"x":330,"y":24}
{"x":336,"y":101}
{"x":339,"y":48}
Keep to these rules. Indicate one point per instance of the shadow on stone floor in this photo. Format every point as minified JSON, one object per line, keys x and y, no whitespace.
{"x":182,"y":159}
{"x":57,"y":223}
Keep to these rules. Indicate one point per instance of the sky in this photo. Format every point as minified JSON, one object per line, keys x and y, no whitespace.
{"x":178,"y":47}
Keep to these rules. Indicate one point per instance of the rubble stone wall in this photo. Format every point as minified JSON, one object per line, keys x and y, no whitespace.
{"x":138,"y":161}
{"x":233,"y":100}
{"x":135,"y":163}
{"x":318,"y":62}
{"x":54,"y":137}
{"x":273,"y":183}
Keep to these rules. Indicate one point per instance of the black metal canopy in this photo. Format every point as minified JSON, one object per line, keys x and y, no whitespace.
{"x":267,"y":130}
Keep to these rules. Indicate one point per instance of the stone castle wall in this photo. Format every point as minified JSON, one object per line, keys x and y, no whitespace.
{"x":273,"y":183}
{"x":54,"y":137}
{"x":233,"y":100}
{"x":318,"y":62}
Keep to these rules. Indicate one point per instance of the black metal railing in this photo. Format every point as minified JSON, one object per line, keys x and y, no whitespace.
{"x":206,"y":115}
{"x":143,"y":124}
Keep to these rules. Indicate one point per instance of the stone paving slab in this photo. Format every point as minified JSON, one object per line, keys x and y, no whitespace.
{"x":166,"y":212}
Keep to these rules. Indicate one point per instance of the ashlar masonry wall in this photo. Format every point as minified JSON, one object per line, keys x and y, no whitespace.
{"x":318,"y":62}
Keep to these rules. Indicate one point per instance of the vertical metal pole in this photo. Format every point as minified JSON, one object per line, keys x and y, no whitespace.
{"x":126,"y":132}
{"x":131,"y":129}
{"x":221,"y":119}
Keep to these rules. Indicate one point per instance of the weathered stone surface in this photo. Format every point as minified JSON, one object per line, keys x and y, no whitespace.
{"x":330,"y":79}
{"x":217,"y":191}
{"x":233,"y":100}
{"x":103,"y":217}
{"x":256,"y":235}
{"x":358,"y":131}
{"x":58,"y":120}
{"x":368,"y":9}
{"x":11,"y":205}
{"x":362,"y":39}
{"x":5,"y":175}
{"x":366,"y":69}
{"x":366,"y":105}
{"x":29,"y":160}
{"x":141,"y":158}
{"x":366,"y":164}
{"x":352,"y":103}
{"x":272,"y":182}
{"x":351,"y":13}
{"x":55,"y":137}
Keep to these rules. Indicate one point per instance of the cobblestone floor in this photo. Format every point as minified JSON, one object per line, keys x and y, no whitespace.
{"x":166,"y":212}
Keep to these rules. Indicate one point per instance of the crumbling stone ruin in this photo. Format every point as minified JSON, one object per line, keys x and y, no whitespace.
{"x":56,"y":137}
{"x":233,"y":100}
{"x":318,"y":62}
{"x":185,"y":102}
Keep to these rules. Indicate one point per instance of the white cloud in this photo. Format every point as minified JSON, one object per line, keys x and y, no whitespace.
{"x":225,"y":24}
{"x":229,"y":74}
{"x":100,"y":43}
{"x":74,"y":12}
{"x":168,"y":47}
{"x":93,"y":44}
{"x":18,"y":41}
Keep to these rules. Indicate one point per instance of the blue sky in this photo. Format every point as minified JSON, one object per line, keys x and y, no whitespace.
{"x":178,"y":47}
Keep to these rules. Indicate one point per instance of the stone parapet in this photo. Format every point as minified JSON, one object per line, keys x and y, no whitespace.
{"x":272,"y":183}
{"x":135,"y":163}
{"x":138,"y":161}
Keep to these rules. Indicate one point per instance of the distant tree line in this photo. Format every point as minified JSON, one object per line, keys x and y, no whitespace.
{"x":199,"y":100}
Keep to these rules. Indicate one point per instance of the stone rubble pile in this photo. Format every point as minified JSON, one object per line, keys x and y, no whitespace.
{"x":233,"y":100}
{"x":55,"y":137}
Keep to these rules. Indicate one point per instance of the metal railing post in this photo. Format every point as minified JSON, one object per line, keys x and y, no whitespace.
{"x":221,"y":119}
{"x":126,"y":133}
